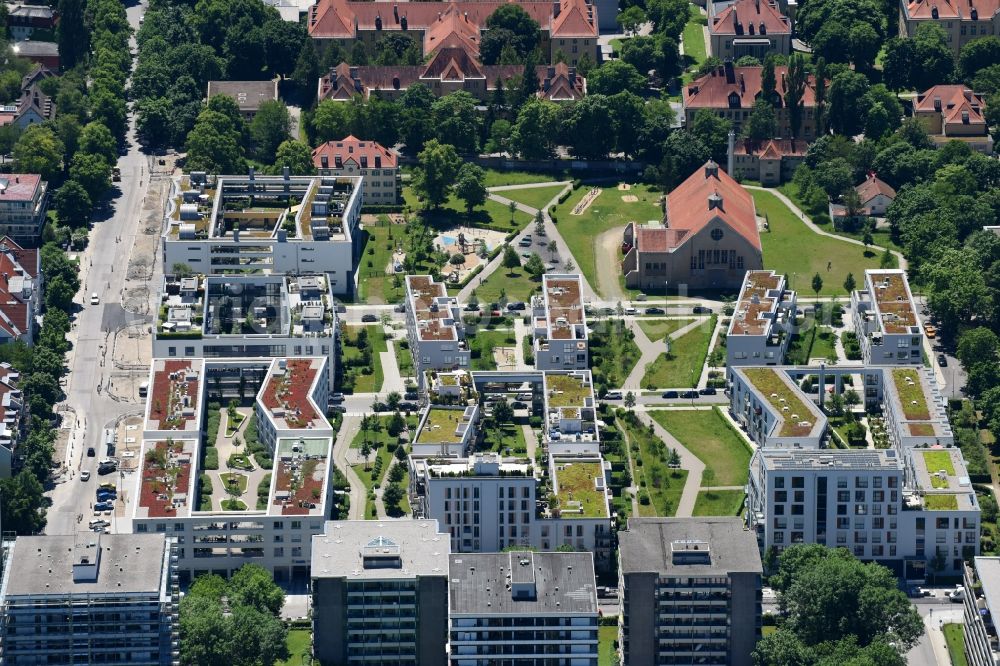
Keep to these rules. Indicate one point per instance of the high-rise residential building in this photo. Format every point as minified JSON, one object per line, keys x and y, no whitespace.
{"x":89,"y":599}
{"x":522,"y":607}
{"x":560,"y":324}
{"x":690,"y":591}
{"x":434,"y":326}
{"x":380,"y":593}
{"x":885,"y":320}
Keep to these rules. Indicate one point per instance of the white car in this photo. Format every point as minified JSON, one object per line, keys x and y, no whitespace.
{"x":85,"y":475}
{"x":95,"y":299}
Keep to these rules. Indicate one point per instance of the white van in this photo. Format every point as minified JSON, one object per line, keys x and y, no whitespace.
{"x":97,"y":522}
{"x":613,"y":395}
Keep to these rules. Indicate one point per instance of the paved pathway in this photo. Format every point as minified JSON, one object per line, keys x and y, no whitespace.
{"x":530,"y":440}
{"x":822,"y":232}
{"x":349,"y":427}
{"x":689,"y":461}
{"x":651,"y":351}
{"x":520,"y":330}
{"x":392,"y":380}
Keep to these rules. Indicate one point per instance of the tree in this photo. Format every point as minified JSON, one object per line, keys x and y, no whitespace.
{"x":978,"y":54}
{"x":92,"y":172}
{"x":74,"y":42}
{"x":849,"y":283}
{"x":817,"y":283}
{"x":214,"y":144}
{"x":668,"y":17}
{"x":502,"y":412}
{"x":392,"y":400}
{"x":497,"y":48}
{"x":867,"y":238}
{"x":331,"y":121}
{"x":72,"y":204}
{"x":641,"y":52}
{"x":713,"y":132}
{"x":524,"y":29}
{"x":96,"y":139}
{"x":534,"y":266}
{"x":529,"y":84}
{"x":469,"y":186}
{"x":847,"y":95}
{"x":457,"y":121}
{"x":629,"y":400}
{"x":534,"y":133}
{"x":977,"y":345}
{"x":366,"y":448}
{"x":552,"y":248}
{"x":933,"y":61}
{"x":510,"y":259}
{"x":586,"y":126}
{"x":615,"y":76}
{"x":794,"y":92}
{"x":21,"y":498}
{"x":269,"y":128}
{"x":253,"y":585}
{"x":864,"y":43}
{"x":58,"y":294}
{"x":762,"y":123}
{"x":897,"y":63}
{"x":539,"y":223}
{"x":438,"y":167}
{"x":40,"y":151}
{"x":296,"y":156}
{"x":631,"y":19}
{"x":392,"y":496}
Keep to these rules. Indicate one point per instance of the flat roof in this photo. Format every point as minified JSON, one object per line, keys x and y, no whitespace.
{"x":890,"y":292}
{"x":570,"y":389}
{"x":287,"y":393}
{"x":341,"y":550}
{"x":802,"y":460}
{"x":167,"y":478}
{"x":563,"y":306}
{"x":913,"y":391}
{"x":249,"y":95}
{"x":579,"y":487}
{"x":440,"y":426}
{"x":19,"y":186}
{"x":646,"y":546}
{"x":988,"y":573}
{"x":796,"y":415}
{"x":431,"y":307}
{"x":43,"y":565}
{"x":485,"y":583}
{"x":174,"y":399}
{"x":941,"y":472}
{"x":761,"y":293}
{"x":301,"y":472}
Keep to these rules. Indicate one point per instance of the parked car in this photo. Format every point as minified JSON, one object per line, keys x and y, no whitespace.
{"x":670,"y":395}
{"x":515,"y":306}
{"x":400,"y":308}
{"x":689,"y":394}
{"x":85,"y":475}
{"x":410,"y":395}
{"x":708,"y":391}
{"x":526,"y":255}
{"x":655,"y":311}
{"x":915,"y":591}
{"x":701,"y":309}
{"x":517,"y":404}
{"x":104,"y":506}
{"x":930,"y":330}
{"x":957,"y":595}
{"x":525,"y":242}
{"x":408,"y":407}
{"x":631,"y":311}
{"x":613,"y":395}
{"x":942,"y":360}
{"x":336,"y":397}
{"x":369,"y":318}
{"x":91,"y":452}
{"x":95,"y":299}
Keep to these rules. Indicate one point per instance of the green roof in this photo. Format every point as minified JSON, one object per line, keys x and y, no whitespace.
{"x":774,"y":388}
{"x":911,"y":395}
{"x":577,"y":491}
{"x":440,"y":426}
{"x":938,"y":460}
{"x":941,"y":502}
{"x":566,"y":390}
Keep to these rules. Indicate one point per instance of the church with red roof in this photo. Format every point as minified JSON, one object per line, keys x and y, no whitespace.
{"x":708,"y":238}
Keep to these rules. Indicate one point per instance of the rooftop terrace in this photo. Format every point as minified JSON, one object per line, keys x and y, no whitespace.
{"x":166,"y":482}
{"x":432,"y":308}
{"x":796,"y":417}
{"x":761,"y":293}
{"x":567,"y":390}
{"x":173,"y":401}
{"x":286,"y":393}
{"x":891,"y":294}
{"x":911,"y":394}
{"x":300,"y":475}
{"x":564,"y":307}
{"x":444,"y":425}
{"x":579,"y":489}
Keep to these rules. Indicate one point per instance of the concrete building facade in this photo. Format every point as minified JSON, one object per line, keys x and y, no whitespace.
{"x":559,"y":336}
{"x":885,"y":320}
{"x":434,"y":327}
{"x":763,"y":321}
{"x":23,"y":205}
{"x":378,"y":165}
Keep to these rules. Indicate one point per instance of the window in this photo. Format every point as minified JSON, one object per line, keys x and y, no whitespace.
{"x":716,"y":235}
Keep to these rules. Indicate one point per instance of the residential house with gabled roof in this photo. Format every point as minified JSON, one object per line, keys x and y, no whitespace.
{"x":20,"y":291}
{"x":708,"y":238}
{"x":961,"y":20}
{"x":730,"y":92}
{"x":748,"y":28}
{"x":954,"y":113}
{"x":34,"y":106}
{"x":378,"y":165}
{"x":874,"y":197}
{"x":248,"y":95}
{"x":770,"y":162}
{"x":569,"y":27}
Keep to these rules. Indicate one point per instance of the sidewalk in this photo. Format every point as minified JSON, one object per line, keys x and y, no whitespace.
{"x":689,"y":461}
{"x":348,"y":429}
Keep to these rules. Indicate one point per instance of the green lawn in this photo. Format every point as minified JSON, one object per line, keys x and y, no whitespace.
{"x":657,"y":329}
{"x":299,"y":643}
{"x":613,"y":353}
{"x":783,"y":250}
{"x":482,"y":344}
{"x":816,"y":342}
{"x":536,"y":197}
{"x":938,"y":460}
{"x":367,"y":379}
{"x":608,"y":211}
{"x":682,"y":368}
{"x":663,"y":486}
{"x":718,"y":503}
{"x":954,"y":634}
{"x":496,"y":178}
{"x":516,"y":285}
{"x":694,"y":38}
{"x":508,"y":436}
{"x":606,"y":637}
{"x":374,"y":284}
{"x":452,"y":213}
{"x":882,"y":237}
{"x":709,"y":436}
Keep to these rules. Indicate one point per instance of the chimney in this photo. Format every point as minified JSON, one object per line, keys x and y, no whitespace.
{"x":730,"y":154}
{"x":711,"y":170}
{"x":714,"y":201}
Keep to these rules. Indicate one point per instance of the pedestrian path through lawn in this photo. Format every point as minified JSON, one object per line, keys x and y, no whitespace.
{"x":708,"y":435}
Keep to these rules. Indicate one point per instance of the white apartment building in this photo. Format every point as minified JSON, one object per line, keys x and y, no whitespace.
{"x":885,"y":320}
{"x":11,"y":414}
{"x":570,"y":411}
{"x":773,"y":410}
{"x":763,"y":321}
{"x":446,"y":431}
{"x":213,"y":534}
{"x":689,"y":591}
{"x":380,"y":593}
{"x":533,"y":609}
{"x":246,"y":316}
{"x":434,"y":327}
{"x":915,"y":411}
{"x":882,"y":505}
{"x":301,"y":225}
{"x":560,"y":324}
{"x":23,"y":204}
{"x":352,"y":157}
{"x":89,"y":598}
{"x":982,"y":599}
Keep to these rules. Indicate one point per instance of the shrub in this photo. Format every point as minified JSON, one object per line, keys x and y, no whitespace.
{"x":205,"y":483}
{"x":211,"y":458}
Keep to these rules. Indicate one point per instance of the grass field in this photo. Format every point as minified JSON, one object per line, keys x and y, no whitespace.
{"x":508,"y":436}
{"x":709,"y":436}
{"x":718,"y":503}
{"x":298,"y":643}
{"x":536,"y":197}
{"x":663,"y":485}
{"x":682,"y":368}
{"x":496,"y":178}
{"x":613,"y":353}
{"x":366,"y":379}
{"x":606,"y":637}
{"x":657,"y":329}
{"x":484,"y":342}
{"x":954,"y":634}
{"x":516,"y":284}
{"x":816,"y":342}
{"x":783,"y":250}
{"x":694,"y":39}
{"x":374,"y":284}
{"x":882,"y":237}
{"x":452,"y":213}
{"x":608,"y":211}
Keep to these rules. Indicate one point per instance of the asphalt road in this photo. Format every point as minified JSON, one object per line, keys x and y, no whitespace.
{"x":103,"y":272}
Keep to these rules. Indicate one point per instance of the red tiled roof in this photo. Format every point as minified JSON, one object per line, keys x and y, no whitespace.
{"x":453,"y":63}
{"x":353,"y":149}
{"x":576,"y":19}
{"x":773,"y":149}
{"x":452,"y":30}
{"x":690,"y":207}
{"x":952,"y":9}
{"x":560,"y":82}
{"x":15,"y":261}
{"x":28,"y":259}
{"x":872,"y":187}
{"x":658,"y":239}
{"x":713,"y":90}
{"x":749,"y":17}
{"x":951,"y":101}
{"x":19,"y":186}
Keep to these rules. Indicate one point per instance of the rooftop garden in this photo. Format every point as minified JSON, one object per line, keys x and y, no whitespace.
{"x":302,"y":479}
{"x":165,"y":475}
{"x":780,"y":395}
{"x":941,"y":502}
{"x":911,"y":394}
{"x":921,"y":429}
{"x":939,"y":460}
{"x":172,"y":393}
{"x":578,"y":496}
{"x":290,"y":391}
{"x":566,"y":390}
{"x":440,"y":426}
